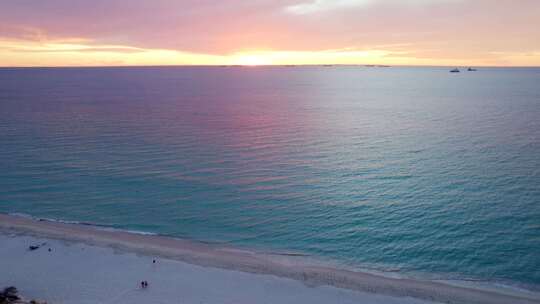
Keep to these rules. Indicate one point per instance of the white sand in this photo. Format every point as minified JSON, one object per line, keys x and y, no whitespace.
{"x":83,"y":267}
{"x":79,"y":273}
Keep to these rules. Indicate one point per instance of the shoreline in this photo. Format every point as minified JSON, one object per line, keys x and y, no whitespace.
{"x":229,"y":258}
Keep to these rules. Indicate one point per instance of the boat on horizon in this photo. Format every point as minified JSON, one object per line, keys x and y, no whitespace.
{"x":456,"y":70}
{"x":471,"y":70}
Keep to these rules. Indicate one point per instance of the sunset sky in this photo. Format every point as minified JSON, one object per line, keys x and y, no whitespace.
{"x":258,"y":32}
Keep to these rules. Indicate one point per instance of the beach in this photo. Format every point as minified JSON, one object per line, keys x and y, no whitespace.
{"x":89,"y":264}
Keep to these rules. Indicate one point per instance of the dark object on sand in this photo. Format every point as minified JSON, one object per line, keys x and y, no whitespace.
{"x":9,"y":295}
{"x":50,"y":250}
{"x":153,"y":261}
{"x":144,"y":284}
{"x":34,"y":247}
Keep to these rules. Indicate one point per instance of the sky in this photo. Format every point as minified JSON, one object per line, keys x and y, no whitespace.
{"x":261,"y":32}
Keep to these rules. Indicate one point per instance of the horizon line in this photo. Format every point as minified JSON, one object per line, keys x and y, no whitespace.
{"x":266,"y":65}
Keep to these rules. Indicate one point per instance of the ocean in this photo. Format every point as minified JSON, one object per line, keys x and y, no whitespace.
{"x":405,"y":170}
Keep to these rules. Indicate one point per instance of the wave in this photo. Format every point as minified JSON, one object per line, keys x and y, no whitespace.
{"x":94,"y":225}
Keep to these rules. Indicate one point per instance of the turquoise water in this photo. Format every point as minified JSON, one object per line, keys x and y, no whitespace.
{"x":415,"y":170}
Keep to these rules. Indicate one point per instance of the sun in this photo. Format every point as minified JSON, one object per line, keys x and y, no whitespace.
{"x":252,"y":60}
